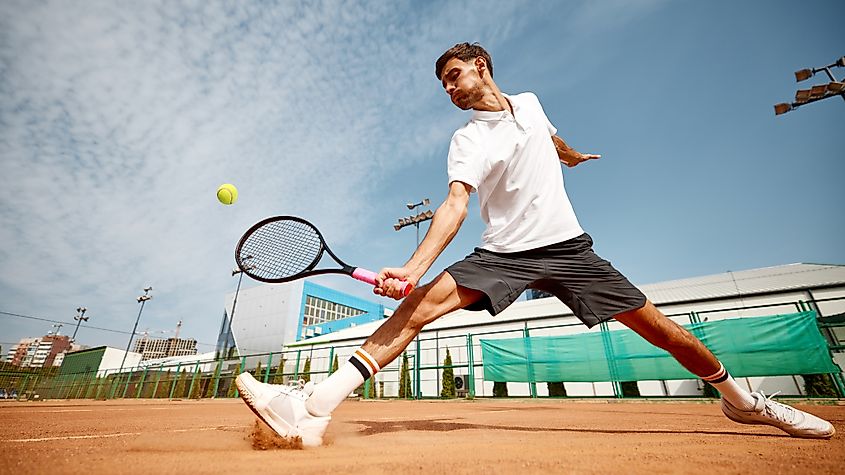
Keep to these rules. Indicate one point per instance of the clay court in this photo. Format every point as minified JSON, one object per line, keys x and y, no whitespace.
{"x":481,"y":436}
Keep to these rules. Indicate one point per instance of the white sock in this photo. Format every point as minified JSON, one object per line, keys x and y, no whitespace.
{"x":330,"y":393}
{"x":728,"y":387}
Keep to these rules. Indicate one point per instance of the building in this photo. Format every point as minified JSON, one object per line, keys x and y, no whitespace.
{"x":99,"y":361}
{"x":158,"y":348}
{"x":751,"y":293}
{"x":269,"y":316}
{"x":39,"y":352}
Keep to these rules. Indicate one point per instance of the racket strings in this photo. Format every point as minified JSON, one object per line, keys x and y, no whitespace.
{"x":281,"y":249}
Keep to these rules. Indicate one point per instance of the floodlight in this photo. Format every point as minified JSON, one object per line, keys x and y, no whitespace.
{"x":782,"y":108}
{"x":803,"y":75}
{"x":429,"y":214}
{"x":410,"y":205}
{"x":397,"y":227}
{"x":836,"y":87}
{"x":840,"y":62}
{"x":802,"y":95}
{"x":818,"y":91}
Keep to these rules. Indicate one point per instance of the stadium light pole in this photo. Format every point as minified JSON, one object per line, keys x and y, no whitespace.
{"x":415,"y":220}
{"x":142,"y":300}
{"x":240,"y":274}
{"x":80,"y":317}
{"x":816,"y":93}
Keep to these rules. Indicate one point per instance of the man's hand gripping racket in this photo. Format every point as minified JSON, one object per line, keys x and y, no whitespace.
{"x":286,"y":248}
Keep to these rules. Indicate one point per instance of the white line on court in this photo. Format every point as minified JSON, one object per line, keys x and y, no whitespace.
{"x":120,"y":434}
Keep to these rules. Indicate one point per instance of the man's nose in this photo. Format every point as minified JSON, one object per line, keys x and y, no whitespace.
{"x":450,"y":88}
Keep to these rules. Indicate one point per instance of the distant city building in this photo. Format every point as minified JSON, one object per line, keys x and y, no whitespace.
{"x":534,"y":294}
{"x":157,"y":348}
{"x":39,"y":352}
{"x":269,"y":316}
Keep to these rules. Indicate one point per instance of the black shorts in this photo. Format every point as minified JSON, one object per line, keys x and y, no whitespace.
{"x":569,"y":270}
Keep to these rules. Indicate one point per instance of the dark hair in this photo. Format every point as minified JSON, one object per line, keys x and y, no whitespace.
{"x":465,"y":52}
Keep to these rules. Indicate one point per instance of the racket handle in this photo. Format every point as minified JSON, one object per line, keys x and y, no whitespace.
{"x":369,"y":277}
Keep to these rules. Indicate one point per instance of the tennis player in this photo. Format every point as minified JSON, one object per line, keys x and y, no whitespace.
{"x":509,"y":154}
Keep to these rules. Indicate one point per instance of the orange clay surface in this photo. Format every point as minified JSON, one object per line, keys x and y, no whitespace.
{"x":398,"y":437}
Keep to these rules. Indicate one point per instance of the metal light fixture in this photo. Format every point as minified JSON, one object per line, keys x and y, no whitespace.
{"x":818,"y":92}
{"x":782,"y":108}
{"x":80,"y":317}
{"x":803,"y":75}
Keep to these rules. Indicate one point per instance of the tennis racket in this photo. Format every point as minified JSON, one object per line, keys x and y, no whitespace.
{"x":286,"y":248}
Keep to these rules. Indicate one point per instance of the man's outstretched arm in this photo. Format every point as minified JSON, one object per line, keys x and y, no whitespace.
{"x":445,"y":224}
{"x":569,"y":156}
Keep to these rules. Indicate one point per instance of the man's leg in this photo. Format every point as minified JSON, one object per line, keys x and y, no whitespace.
{"x":423,"y":306}
{"x":738,"y":404}
{"x":304,"y":411}
{"x":660,"y":331}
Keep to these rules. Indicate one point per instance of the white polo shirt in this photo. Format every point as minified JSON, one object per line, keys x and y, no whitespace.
{"x":510,"y":160}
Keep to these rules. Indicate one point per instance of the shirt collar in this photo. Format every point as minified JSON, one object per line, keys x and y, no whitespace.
{"x":491,"y":116}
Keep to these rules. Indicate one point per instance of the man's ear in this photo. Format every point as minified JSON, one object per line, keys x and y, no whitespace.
{"x":481,"y":65}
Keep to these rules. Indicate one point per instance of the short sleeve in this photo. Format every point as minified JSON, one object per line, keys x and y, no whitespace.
{"x":552,"y":128}
{"x":466,"y":160}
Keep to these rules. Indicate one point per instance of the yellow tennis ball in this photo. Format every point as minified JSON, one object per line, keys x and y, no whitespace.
{"x":227,"y":194}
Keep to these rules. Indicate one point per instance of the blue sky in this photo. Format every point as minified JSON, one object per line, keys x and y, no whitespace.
{"x":118,"y":120}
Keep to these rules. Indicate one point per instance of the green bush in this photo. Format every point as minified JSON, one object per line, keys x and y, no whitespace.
{"x":306,"y":371}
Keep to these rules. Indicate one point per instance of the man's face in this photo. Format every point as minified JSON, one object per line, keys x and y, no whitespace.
{"x":462,"y":82}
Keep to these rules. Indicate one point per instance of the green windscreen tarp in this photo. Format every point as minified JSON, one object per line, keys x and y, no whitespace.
{"x":760,"y":346}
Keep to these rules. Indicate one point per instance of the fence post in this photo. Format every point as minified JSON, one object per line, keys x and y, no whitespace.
{"x":141,"y":384}
{"x":417,"y":371}
{"x":471,"y":368}
{"x":158,"y":379}
{"x":611,"y":360}
{"x":217,"y":377}
{"x":532,"y":385}
{"x":267,"y":369}
{"x":240,"y":370}
{"x":193,"y":381}
{"x":128,"y":380}
{"x":173,"y":383}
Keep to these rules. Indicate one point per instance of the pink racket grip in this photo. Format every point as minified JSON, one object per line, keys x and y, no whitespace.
{"x":369,"y":277}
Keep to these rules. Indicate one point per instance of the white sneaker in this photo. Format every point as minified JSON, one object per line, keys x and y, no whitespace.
{"x":795,"y":422}
{"x":283,"y":408}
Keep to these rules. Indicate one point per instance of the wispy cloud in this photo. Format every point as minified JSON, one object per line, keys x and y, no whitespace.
{"x":119,"y":119}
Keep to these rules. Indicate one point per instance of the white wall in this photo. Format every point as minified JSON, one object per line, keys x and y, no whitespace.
{"x":265,"y":317}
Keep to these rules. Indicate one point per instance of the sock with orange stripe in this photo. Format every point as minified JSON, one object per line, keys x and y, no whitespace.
{"x":330,"y":393}
{"x":733,"y":392}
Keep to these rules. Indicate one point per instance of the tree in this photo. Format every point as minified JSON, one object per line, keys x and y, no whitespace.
{"x":556,"y":389}
{"x":279,"y":376}
{"x":500,"y":389}
{"x":709,"y":391}
{"x":196,"y":385}
{"x":448,"y":390}
{"x":180,"y":385}
{"x":334,"y":365}
{"x":257,"y":373}
{"x":819,"y":385}
{"x":629,"y":389}
{"x":306,"y":370}
{"x":404,"y":378}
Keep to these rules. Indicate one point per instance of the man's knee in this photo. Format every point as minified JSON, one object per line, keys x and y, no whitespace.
{"x":427,"y":303}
